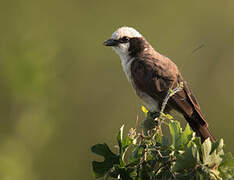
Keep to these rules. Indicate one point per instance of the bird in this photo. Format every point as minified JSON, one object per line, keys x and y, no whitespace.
{"x":152,"y":74}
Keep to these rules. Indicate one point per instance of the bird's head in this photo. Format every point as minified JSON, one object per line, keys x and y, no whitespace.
{"x":126,"y":41}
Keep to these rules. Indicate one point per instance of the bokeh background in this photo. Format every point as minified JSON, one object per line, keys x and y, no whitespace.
{"x":61,"y":90}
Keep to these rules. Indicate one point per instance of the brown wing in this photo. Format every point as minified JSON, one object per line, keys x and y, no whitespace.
{"x":155,"y":77}
{"x":149,"y":77}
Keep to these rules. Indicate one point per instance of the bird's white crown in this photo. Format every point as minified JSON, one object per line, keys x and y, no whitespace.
{"x":125,"y":31}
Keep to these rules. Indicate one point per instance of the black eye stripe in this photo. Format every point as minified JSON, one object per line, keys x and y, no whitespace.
{"x":124,"y":39}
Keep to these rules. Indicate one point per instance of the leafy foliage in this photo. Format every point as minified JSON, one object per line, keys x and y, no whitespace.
{"x":151,"y":156}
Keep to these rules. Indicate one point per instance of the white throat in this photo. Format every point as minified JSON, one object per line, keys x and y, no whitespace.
{"x":126,"y":62}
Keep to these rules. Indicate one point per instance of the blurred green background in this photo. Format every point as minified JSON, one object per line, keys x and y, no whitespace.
{"x":61,"y":90}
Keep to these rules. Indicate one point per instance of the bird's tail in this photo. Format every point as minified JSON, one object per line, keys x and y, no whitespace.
{"x":200,"y":129}
{"x":195,"y":117}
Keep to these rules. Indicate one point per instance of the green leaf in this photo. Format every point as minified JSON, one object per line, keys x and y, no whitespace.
{"x":227,"y":173}
{"x":197,"y":141}
{"x":145,"y":172}
{"x":204,"y":172}
{"x":101,"y":168}
{"x":165,"y":142}
{"x":158,"y":138}
{"x":187,"y":134}
{"x":163,"y":174}
{"x":123,"y":143}
{"x":176,"y":132}
{"x":186,"y":160}
{"x":122,"y":172}
{"x":210,"y":158}
{"x":215,"y":159}
{"x":228,"y":160}
{"x":168,"y":116}
{"x":137,"y":152}
{"x":206,"y":149}
{"x":148,"y":124}
{"x":217,"y":145}
{"x":180,"y":139}
{"x":120,"y":137}
{"x":127,"y":141}
{"x":227,"y":166}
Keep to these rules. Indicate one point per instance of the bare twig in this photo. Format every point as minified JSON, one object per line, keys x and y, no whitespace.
{"x":170,"y":93}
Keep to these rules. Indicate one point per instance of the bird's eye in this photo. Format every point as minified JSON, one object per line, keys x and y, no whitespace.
{"x":124,"y":39}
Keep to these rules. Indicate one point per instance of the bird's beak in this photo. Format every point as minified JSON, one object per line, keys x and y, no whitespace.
{"x":111,"y":42}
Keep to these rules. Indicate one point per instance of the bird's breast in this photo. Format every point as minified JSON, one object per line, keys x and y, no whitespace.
{"x":151,"y":104}
{"x":126,"y":64}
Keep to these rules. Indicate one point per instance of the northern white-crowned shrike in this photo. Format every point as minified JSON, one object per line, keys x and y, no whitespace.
{"x":152,"y":74}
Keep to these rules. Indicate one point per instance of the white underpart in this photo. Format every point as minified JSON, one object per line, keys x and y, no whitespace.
{"x":122,"y":51}
{"x":148,"y":101}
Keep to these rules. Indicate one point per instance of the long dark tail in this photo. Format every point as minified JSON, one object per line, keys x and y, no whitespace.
{"x":201,"y":131}
{"x":196,"y":119}
{"x":186,"y":103}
